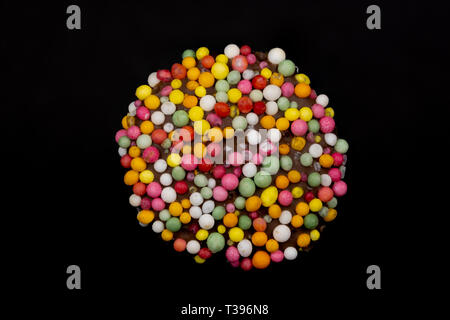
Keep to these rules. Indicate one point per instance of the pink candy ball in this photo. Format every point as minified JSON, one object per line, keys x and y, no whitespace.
{"x":237,"y":171}
{"x":245,"y":86}
{"x":230,"y":207}
{"x":166,"y":90}
{"x":246,"y":264}
{"x":220,"y":193}
{"x":158,"y":204}
{"x":327,"y":124}
{"x":339,"y":188}
{"x":277,"y":256}
{"x":266,"y":148}
{"x":338,"y":159}
{"x":120,"y":134}
{"x":218,"y":171}
{"x":214,"y":149}
{"x":335,"y":174}
{"x":263,"y":64}
{"x":257,"y":159}
{"x":189,"y":162}
{"x":235,"y":264}
{"x":313,"y":94}
{"x":137,"y":103}
{"x":150,"y":154}
{"x":214,"y":119}
{"x":235,"y":159}
{"x":299,"y":127}
{"x":285,"y":198}
{"x":287,"y":89}
{"x":190,"y":176}
{"x":146,"y":203}
{"x":318,"y":111}
{"x":232,"y":254}
{"x":251,"y":58}
{"x":154,"y":189}
{"x":230,"y":181}
{"x":133,"y":132}
{"x":253,"y":215}
{"x":143,"y":113}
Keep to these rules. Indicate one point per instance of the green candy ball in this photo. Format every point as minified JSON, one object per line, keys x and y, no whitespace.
{"x":178,"y":173}
{"x":311,"y":221}
{"x":239,"y":203}
{"x":341,"y":146}
{"x":218,"y":213}
{"x":206,"y":193}
{"x":271,"y":164}
{"x":222,"y":85}
{"x":262,"y":179}
{"x":201,"y":180}
{"x":173,"y":224}
{"x":283,"y":103}
{"x":124,"y":142}
{"x":256,"y":95}
{"x":244,"y":222}
{"x":286,"y":163}
{"x":164,"y":215}
{"x":239,"y":122}
{"x":294,"y":104}
{"x":166,"y":144}
{"x":286,"y":68}
{"x":313,"y":126}
{"x":247,"y":187}
{"x":314,"y":179}
{"x":215,"y":242}
{"x":180,"y":118}
{"x":144,"y":141}
{"x":221,"y":96}
{"x":306,"y":159}
{"x":332,"y":203}
{"x":188,"y":53}
{"x":234,"y":77}
{"x":323,"y":212}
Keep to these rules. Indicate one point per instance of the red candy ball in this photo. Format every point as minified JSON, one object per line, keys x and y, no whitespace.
{"x":239,"y":63}
{"x":178,"y":71}
{"x":139,"y":188}
{"x":325,"y":194}
{"x":245,"y":104}
{"x":181,"y":187}
{"x":158,"y":136}
{"x":186,"y":133}
{"x":125,"y":161}
{"x":246,"y":264}
{"x":338,"y":159}
{"x":245,"y":50}
{"x":194,"y":227}
{"x":259,"y":82}
{"x":204,"y":253}
{"x":219,"y":171}
{"x":222,"y":109}
{"x":164,"y":75}
{"x":259,"y":107}
{"x":309,"y":196}
{"x":207,"y":61}
{"x":205,"y":165}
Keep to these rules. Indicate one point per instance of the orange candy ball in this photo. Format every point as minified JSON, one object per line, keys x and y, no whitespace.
{"x":302,"y":90}
{"x":294,"y":176}
{"x":230,"y":220}
{"x":326,"y":160}
{"x":261,"y":260}
{"x":207,"y":61}
{"x":179,"y":245}
{"x":303,"y":240}
{"x":275,"y":211}
{"x":282,"y":182}
{"x":259,"y":238}
{"x":259,"y":224}
{"x":253,"y":203}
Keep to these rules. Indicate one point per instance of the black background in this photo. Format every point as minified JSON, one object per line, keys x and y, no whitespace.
{"x":74,"y":86}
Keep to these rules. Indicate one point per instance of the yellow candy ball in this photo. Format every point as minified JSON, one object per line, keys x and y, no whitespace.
{"x":185,"y":203}
{"x":185,"y":218}
{"x":282,"y":124}
{"x":317,"y":139}
{"x":201,"y":126}
{"x":329,"y":112}
{"x":175,"y":209}
{"x":234,"y":95}
{"x":145,"y":216}
{"x":315,"y":205}
{"x":302,"y":78}
{"x":138,"y":164}
{"x":292,"y":114}
{"x":297,"y":192}
{"x":222,"y":58}
{"x":266,"y":73}
{"x":269,"y":196}
{"x":146,"y":176}
{"x":332,"y":213}
{"x":176,"y":96}
{"x":196,"y":113}
{"x":198,"y":259}
{"x":176,"y":83}
{"x":147,"y":127}
{"x":199,"y":150}
{"x":214,"y":135}
{"x":221,"y":229}
{"x":125,"y":122}
{"x":201,"y":52}
{"x":143,"y":91}
{"x":236,"y":234}
{"x":306,"y":114}
{"x":228,"y":132}
{"x":200,"y":91}
{"x":220,"y":70}
{"x":187,"y":149}
{"x":202,"y":234}
{"x":167,"y":235}
{"x":173,"y":160}
{"x":314,"y":235}
{"x":152,"y":102}
{"x":134,"y":151}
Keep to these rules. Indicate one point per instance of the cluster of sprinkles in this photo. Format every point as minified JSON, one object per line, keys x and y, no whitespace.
{"x":258,"y":207}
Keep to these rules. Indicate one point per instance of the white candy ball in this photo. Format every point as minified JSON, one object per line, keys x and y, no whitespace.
{"x":231,"y":51}
{"x":272,"y":92}
{"x":276,"y":55}
{"x":122,"y":151}
{"x":196,"y":199}
{"x":168,"y":195}
{"x":153,"y":79}
{"x":325,"y":180}
{"x":160,"y":165}
{"x":163,"y":99}
{"x":290,"y":253}
{"x":195,"y":212}
{"x":245,"y":248}
{"x":248,"y":74}
{"x":158,"y":226}
{"x":252,"y":118}
{"x":281,"y":233}
{"x":168,"y":127}
{"x":322,"y":99}
{"x":330,"y":139}
{"x":211,"y":183}
{"x":208,"y":206}
{"x":207,"y":103}
{"x":158,"y":118}
{"x":315,"y":150}
{"x":206,"y":221}
{"x":132,"y":109}
{"x":193,"y":246}
{"x":135,"y":200}
{"x":285,"y":217}
{"x":253,"y":137}
{"x":249,"y":170}
{"x":271,"y":108}
{"x":168,"y":108}
{"x":166,"y":179}
{"x":144,"y":141}
{"x":274,"y":135}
